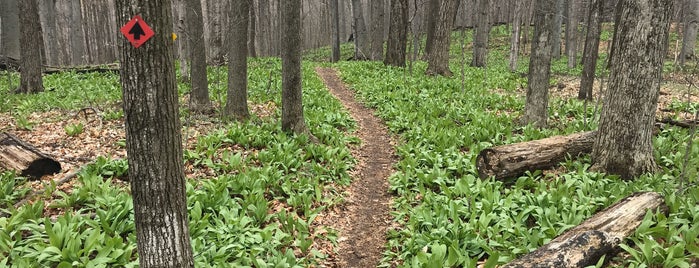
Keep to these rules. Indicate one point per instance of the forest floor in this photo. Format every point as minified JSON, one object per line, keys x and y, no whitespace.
{"x":364,"y":218}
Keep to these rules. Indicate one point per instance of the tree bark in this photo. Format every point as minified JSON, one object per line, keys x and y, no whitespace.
{"x":599,"y":235}
{"x":30,"y":28}
{"x":377,"y":29}
{"x":438,"y":58}
{"x":691,"y":25}
{"x":252,"y":29}
{"x":624,"y":146}
{"x":591,"y":52}
{"x":237,"y":100}
{"x":195,"y":41}
{"x":216,"y":18}
{"x":480,"y":42}
{"x":516,"y":32}
{"x":265,"y":24}
{"x":335,"y":10}
{"x":512,"y":160}
{"x":9,"y":13}
{"x":180,"y":11}
{"x":431,"y":21}
{"x":572,"y":33}
{"x":292,"y":101}
{"x":154,"y":140}
{"x":556,"y":30}
{"x":362,"y":43}
{"x":18,"y":155}
{"x":536,"y":106}
{"x":397,"y":34}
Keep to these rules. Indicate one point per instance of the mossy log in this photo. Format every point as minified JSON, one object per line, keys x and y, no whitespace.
{"x":512,"y":160}
{"x":601,"y":234}
{"x":24,"y":158}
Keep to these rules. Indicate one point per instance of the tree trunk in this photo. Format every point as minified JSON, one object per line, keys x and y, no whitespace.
{"x":599,"y":235}
{"x":362,"y":43}
{"x":180,"y":11}
{"x":47,"y":15}
{"x":536,"y":106}
{"x":556,"y":28}
{"x":377,"y":29}
{"x":154,"y":139}
{"x":215,"y":18}
{"x":265,"y":24}
{"x":691,"y":25}
{"x":335,"y":10}
{"x":516,"y":30}
{"x":431,"y":19}
{"x":252,"y":29}
{"x":292,"y":101}
{"x":591,"y":52}
{"x":30,"y":28}
{"x":397,"y":34}
{"x":9,"y":35}
{"x":572,"y":33}
{"x":513,"y":160}
{"x":195,"y":40}
{"x":18,"y":155}
{"x":624,"y":145}
{"x":438,"y":58}
{"x":527,"y":21}
{"x":480,"y":42}
{"x":237,"y":100}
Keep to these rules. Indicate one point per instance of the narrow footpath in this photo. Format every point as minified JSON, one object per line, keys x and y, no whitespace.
{"x":363,"y":220}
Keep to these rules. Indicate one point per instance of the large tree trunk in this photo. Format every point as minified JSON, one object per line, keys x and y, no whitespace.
{"x":335,"y":10}
{"x":377,"y":29}
{"x":516,"y":31}
{"x":512,"y":160}
{"x":572,"y":33}
{"x":599,"y":235}
{"x":438,"y":58}
{"x":536,"y":106}
{"x":691,"y":25}
{"x":216,"y":18}
{"x":99,"y":25}
{"x":624,"y":145}
{"x":397,"y":34}
{"x":362,"y":43}
{"x":30,"y":27}
{"x":237,"y":100}
{"x":591,"y":52}
{"x":292,"y":101}
{"x":195,"y":41}
{"x":9,"y":36}
{"x":18,"y":155}
{"x":432,"y":17}
{"x":480,"y":42}
{"x":154,"y":139}
{"x":47,"y":15}
{"x":556,"y":30}
{"x":265,"y":24}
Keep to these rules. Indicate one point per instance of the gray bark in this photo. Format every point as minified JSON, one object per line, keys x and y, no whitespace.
{"x":265,"y":32}
{"x":252,"y":29}
{"x":377,"y":29}
{"x":194,"y":24}
{"x":154,"y":140}
{"x":438,"y":57}
{"x":624,"y":145}
{"x":691,"y":25}
{"x":432,"y":15}
{"x":237,"y":100}
{"x":397,"y":34}
{"x":47,"y":15}
{"x":591,"y":52}
{"x":9,"y":14}
{"x":335,"y":10}
{"x":572,"y":33}
{"x":292,"y":101}
{"x":556,"y":30}
{"x":30,"y":56}
{"x":362,"y":43}
{"x":215,"y":18}
{"x":536,"y":106}
{"x":480,"y":41}
{"x":516,"y":32}
{"x":179,"y":13}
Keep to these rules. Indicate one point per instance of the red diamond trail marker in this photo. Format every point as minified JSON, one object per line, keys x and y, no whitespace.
{"x":137,"y":31}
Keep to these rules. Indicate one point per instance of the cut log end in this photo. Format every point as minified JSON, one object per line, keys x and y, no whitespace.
{"x":41,"y":167}
{"x":24,"y":158}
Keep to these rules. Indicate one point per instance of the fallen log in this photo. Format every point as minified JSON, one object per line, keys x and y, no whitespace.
{"x":512,"y":160}
{"x":8,"y":63}
{"x":105,"y":68}
{"x":687,"y":123}
{"x":601,"y":234}
{"x":25,"y":158}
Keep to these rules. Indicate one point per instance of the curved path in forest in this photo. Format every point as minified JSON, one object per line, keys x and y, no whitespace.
{"x":364,"y":218}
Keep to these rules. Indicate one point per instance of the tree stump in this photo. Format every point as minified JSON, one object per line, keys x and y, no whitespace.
{"x":25,"y":158}
{"x":586,"y":243}
{"x":512,"y":160}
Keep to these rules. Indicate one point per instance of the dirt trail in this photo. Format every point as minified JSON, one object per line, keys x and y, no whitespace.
{"x":364,"y":219}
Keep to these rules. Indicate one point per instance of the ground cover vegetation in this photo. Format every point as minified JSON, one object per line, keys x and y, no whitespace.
{"x":254,"y":192}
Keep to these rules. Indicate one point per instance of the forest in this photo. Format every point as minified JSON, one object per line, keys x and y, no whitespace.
{"x":327,"y":133}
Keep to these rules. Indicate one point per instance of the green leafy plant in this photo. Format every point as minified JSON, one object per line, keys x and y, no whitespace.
{"x":74,"y":129}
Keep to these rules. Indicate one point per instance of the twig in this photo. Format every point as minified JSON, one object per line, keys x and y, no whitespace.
{"x":63,"y":180}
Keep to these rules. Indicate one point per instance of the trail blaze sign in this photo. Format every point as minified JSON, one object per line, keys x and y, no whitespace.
{"x":137,"y":31}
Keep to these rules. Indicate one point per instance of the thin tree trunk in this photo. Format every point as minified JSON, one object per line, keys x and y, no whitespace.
{"x":624,"y":146}
{"x":431,"y":17}
{"x":536,"y":106}
{"x":154,"y":140}
{"x":77,"y":40}
{"x":47,"y":15}
{"x":265,"y":24}
{"x":195,"y":40}
{"x":572,"y":33}
{"x":292,"y":101}
{"x":362,"y":43}
{"x":691,"y":25}
{"x":438,"y":58}
{"x":397,"y":34}
{"x":480,"y":42}
{"x":335,"y":10}
{"x":516,"y":30}
{"x":377,"y":29}
{"x":9,"y":14}
{"x":591,"y":52}
{"x":252,"y":29}
{"x":30,"y":61}
{"x":556,"y":30}
{"x":181,"y":29}
{"x":237,"y":100}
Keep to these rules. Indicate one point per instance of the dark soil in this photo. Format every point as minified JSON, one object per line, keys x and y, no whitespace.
{"x":362,"y":221}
